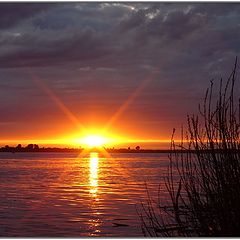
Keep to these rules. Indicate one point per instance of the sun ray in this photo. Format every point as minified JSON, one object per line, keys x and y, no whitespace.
{"x":56,"y":100}
{"x":130,"y":99}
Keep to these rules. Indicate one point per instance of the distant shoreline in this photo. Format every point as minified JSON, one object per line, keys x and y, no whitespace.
{"x":75,"y":150}
{"x":111,"y":150}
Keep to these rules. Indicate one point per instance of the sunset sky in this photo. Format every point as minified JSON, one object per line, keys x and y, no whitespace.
{"x":135,"y":70}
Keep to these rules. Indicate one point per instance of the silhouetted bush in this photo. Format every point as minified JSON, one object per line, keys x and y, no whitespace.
{"x":19,"y":147}
{"x":35,"y":147}
{"x":203,"y":184}
{"x":29,"y":147}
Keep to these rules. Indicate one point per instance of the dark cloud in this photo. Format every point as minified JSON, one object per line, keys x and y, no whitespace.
{"x":117,"y":34}
{"x":98,"y":54}
{"x":53,"y":49}
{"x":13,"y":13}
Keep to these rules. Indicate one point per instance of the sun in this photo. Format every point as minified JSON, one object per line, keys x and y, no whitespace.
{"x":94,"y":141}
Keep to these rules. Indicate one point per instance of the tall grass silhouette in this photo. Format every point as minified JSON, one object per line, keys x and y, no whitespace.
{"x":203,"y":177}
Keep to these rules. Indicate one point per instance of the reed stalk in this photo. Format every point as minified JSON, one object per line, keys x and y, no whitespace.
{"x":203,"y":180}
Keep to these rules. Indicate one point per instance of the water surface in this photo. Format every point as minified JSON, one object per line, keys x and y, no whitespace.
{"x":59,"y":194}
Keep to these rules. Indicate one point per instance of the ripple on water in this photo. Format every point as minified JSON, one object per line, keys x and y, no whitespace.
{"x":57,"y":195}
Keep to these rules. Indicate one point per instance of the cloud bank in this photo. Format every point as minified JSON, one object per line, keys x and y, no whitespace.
{"x":93,"y":56}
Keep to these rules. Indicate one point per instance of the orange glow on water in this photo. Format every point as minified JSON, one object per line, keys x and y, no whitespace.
{"x":93,"y":175}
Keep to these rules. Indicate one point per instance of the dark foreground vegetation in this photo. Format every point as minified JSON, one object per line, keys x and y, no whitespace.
{"x":203,"y":183}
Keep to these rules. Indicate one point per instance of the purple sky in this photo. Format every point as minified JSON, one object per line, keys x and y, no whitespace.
{"x":93,"y":57}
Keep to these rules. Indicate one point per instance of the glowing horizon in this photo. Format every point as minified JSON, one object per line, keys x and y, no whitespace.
{"x":77,"y":142}
{"x":54,"y":88}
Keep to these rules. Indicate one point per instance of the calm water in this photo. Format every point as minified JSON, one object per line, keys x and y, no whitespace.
{"x":57,"y":195}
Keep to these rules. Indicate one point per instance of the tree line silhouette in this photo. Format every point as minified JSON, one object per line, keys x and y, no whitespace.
{"x":35,"y":148}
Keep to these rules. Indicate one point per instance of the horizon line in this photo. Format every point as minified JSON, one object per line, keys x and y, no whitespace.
{"x":68,"y":141}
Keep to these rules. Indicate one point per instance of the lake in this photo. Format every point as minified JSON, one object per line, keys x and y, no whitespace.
{"x":66,"y":195}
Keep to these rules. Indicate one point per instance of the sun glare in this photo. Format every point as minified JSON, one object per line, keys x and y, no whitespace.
{"x":94,"y":141}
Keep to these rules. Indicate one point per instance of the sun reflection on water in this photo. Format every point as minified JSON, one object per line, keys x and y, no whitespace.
{"x":93,"y":176}
{"x":94,"y":222}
